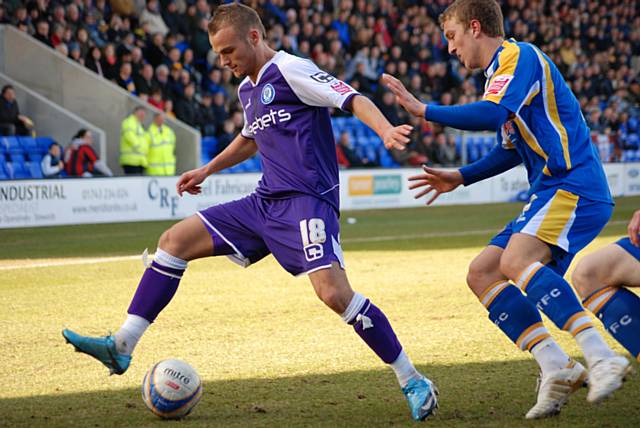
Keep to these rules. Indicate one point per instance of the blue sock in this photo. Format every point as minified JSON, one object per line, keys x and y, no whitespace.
{"x":552,"y":295}
{"x":619,"y":311}
{"x":514,"y":315}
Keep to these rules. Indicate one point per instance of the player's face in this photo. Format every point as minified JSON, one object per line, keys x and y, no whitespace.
{"x":235,"y":51}
{"x":462,"y":43}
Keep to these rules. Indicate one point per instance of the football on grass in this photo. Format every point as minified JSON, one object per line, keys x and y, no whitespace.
{"x":171,"y":389}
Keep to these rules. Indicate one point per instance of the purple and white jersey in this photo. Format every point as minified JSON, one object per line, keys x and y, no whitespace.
{"x":286,"y":112}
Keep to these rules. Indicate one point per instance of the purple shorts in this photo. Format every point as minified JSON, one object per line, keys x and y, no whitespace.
{"x":302,"y":232}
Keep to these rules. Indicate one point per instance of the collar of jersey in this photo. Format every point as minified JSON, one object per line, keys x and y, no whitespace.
{"x":265,"y":67}
{"x":491,"y":68}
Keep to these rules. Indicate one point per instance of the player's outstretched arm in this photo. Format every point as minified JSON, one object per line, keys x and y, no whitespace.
{"x":478,"y":116}
{"x":393,"y":136}
{"x":403,"y":96}
{"x":634,"y":229}
{"x":435,"y":180}
{"x":240,"y":149}
{"x":497,"y":161}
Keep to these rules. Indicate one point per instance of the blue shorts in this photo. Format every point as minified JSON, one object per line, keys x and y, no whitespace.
{"x":301,"y":232}
{"x":565,"y":221}
{"x":629,"y":247}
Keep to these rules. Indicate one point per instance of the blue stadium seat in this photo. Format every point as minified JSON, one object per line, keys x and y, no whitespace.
{"x":17,"y":170}
{"x":458,"y":144}
{"x":182,"y":46}
{"x":359,"y":150}
{"x":208,"y":148}
{"x":371,"y":153}
{"x":17,"y":157}
{"x":473,"y":153}
{"x":628,"y":155}
{"x":375,"y":141}
{"x":43,"y":143}
{"x":339,"y":121}
{"x":35,"y":157}
{"x":7,"y":169}
{"x":370,"y":132}
{"x":29,"y":145}
{"x":10,"y":143}
{"x":386,"y":161}
{"x":489,"y":141}
{"x":361,"y":140}
{"x":3,"y":169}
{"x":359,"y":130}
{"x":204,"y":158}
{"x":34,"y":169}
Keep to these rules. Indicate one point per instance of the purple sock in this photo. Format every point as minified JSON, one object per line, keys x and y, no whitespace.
{"x":373,"y":327}
{"x":157,"y":287}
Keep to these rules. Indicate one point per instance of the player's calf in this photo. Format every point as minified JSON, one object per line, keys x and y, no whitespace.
{"x":619,"y":311}
{"x":373,"y":327}
{"x":156,"y":288}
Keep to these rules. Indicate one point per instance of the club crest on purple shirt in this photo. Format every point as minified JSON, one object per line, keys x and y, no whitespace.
{"x":268,"y":94}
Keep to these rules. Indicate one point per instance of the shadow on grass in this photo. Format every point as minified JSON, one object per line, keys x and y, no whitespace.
{"x":408,"y":229}
{"x":471,"y":395}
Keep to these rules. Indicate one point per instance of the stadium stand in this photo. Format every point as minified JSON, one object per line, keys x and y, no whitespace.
{"x":20,"y":157}
{"x":596,"y":46}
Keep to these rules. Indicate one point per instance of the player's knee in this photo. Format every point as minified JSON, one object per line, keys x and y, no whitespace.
{"x":171,"y":243}
{"x":511,"y":264}
{"x":585,"y":277}
{"x":475,"y":281}
{"x":478,"y":277}
{"x":333,"y":298}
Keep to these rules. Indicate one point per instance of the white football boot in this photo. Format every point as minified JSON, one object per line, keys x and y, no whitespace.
{"x":554,"y":389}
{"x":606,"y":376}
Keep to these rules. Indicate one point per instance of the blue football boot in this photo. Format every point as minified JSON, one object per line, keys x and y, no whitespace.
{"x":422,"y":396}
{"x":102,"y":349}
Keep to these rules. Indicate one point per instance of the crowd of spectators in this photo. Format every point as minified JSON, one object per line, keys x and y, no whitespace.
{"x":159,"y":51}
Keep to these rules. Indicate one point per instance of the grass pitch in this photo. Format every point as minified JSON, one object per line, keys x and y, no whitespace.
{"x":269,"y":352}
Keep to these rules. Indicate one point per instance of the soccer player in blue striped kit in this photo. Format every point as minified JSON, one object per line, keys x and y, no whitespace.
{"x":293,"y":213}
{"x":538,"y":123}
{"x":603,"y":279}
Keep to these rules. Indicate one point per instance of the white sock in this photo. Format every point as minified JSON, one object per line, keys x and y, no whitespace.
{"x":550,"y":356}
{"x":593,"y":346}
{"x":130,"y":333}
{"x":166,"y":259}
{"x":404,"y":369}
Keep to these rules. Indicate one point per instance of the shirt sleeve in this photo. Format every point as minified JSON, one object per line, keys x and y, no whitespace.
{"x":246,"y":130}
{"x":497,"y":161}
{"x":477,"y":116}
{"x":315,"y":87}
{"x":514,"y":81}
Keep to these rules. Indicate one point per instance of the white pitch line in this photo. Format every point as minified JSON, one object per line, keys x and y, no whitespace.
{"x":75,"y":261}
{"x":83,"y":261}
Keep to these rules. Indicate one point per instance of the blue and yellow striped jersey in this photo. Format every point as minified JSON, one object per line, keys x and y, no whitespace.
{"x":546,"y":125}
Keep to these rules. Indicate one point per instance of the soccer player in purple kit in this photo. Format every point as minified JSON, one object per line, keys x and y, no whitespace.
{"x":293,"y":213}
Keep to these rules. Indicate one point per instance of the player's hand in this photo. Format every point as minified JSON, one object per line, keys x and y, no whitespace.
{"x":435,"y":180}
{"x":190,"y":181}
{"x":404,"y":97}
{"x":397,"y":137}
{"x":634,"y":229}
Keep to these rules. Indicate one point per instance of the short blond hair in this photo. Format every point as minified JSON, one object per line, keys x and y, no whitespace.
{"x":238,"y":16}
{"x":487,"y":12}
